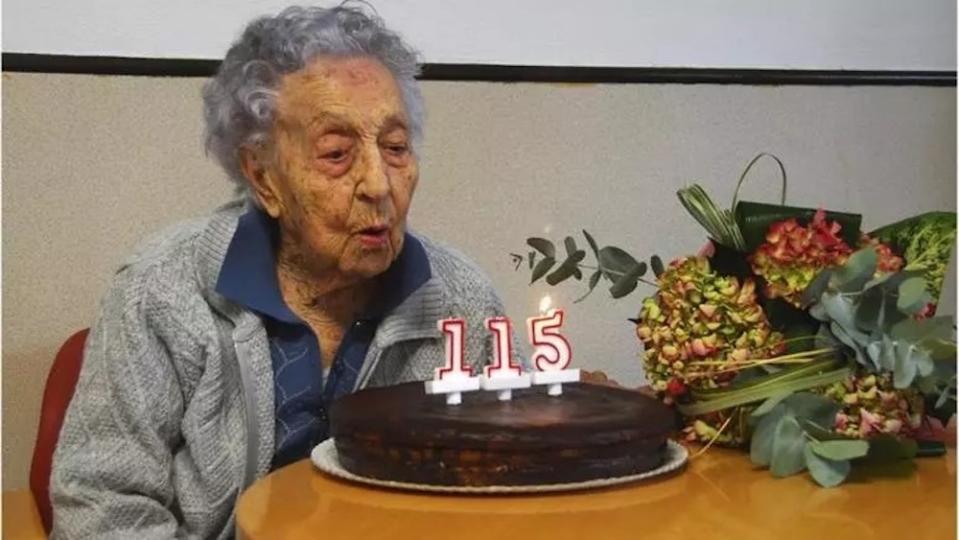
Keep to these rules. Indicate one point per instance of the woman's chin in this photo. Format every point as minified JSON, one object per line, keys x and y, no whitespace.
{"x":370,"y":263}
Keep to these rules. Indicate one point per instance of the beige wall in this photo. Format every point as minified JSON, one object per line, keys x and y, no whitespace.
{"x":92,"y":163}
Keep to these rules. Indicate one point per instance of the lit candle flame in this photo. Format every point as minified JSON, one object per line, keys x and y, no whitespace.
{"x":545,"y":304}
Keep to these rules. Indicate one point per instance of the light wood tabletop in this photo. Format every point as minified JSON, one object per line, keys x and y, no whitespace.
{"x":719,"y":495}
{"x":21,"y":521}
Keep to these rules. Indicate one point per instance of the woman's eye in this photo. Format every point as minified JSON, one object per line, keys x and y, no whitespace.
{"x":397,"y":148}
{"x":336,"y":155}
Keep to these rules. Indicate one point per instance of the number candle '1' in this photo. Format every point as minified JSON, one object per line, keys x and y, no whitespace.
{"x":455,"y":377}
{"x":504,"y":374}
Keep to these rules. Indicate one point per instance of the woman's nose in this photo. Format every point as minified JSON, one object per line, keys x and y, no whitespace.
{"x":374,"y":181}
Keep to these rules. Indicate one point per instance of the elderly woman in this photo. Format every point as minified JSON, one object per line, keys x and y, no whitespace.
{"x":222,"y":342}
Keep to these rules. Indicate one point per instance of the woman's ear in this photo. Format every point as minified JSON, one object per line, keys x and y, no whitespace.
{"x":262,"y":181}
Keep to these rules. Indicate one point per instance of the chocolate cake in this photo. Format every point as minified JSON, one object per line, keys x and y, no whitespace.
{"x":402,"y":434}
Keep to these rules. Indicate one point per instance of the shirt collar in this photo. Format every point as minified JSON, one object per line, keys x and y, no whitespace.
{"x":248,"y":275}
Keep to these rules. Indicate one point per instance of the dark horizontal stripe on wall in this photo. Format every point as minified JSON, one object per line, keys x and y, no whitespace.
{"x":108,"y":65}
{"x":172,"y":67}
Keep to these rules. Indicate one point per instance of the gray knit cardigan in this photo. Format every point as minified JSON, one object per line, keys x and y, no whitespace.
{"x":173,"y":414}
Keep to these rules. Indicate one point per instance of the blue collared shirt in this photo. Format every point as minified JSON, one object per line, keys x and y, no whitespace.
{"x":302,"y":397}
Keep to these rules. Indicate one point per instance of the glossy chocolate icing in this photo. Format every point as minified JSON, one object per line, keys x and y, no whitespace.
{"x":401,"y":433}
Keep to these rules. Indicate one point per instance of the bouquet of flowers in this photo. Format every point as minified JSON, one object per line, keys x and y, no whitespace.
{"x":793,"y":332}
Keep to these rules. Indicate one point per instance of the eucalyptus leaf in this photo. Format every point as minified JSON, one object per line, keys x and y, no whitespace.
{"x":944,"y":396}
{"x":819,"y":432}
{"x":882,"y":353}
{"x":542,"y":268}
{"x":787,"y":455}
{"x":543,"y":246}
{"x":626,"y":283}
{"x":818,"y":312}
{"x":905,"y":369}
{"x":657,"y":265}
{"x":570,"y":244}
{"x":891,"y":281}
{"x":857,"y":271}
{"x":918,"y":331}
{"x":887,"y":354}
{"x":826,"y":472}
{"x":924,"y":363}
{"x":840,"y":309}
{"x":840,"y":450}
{"x":815,"y":407}
{"x":615,"y":262}
{"x":761,"y":443}
{"x":871,"y":311}
{"x":856,"y":341}
{"x":592,"y":243}
{"x":561,"y":274}
{"x":569,"y":268}
{"x":881,"y":279}
{"x":816,"y":287}
{"x":942,"y":399}
{"x":824,"y":338}
{"x":593,"y":280}
{"x":912,"y":295}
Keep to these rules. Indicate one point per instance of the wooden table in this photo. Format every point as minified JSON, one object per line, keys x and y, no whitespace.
{"x":21,"y":521}
{"x":719,"y":495}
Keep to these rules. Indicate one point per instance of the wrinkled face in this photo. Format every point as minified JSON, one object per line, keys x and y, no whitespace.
{"x":342,"y":172}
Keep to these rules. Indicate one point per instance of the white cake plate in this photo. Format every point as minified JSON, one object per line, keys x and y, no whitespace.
{"x":325,"y":458}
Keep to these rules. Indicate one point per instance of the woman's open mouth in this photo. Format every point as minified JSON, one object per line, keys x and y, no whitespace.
{"x":374,"y":237}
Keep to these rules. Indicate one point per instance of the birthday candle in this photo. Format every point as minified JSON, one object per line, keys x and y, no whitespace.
{"x":454,"y":377}
{"x":552,"y":353}
{"x":504,"y":374}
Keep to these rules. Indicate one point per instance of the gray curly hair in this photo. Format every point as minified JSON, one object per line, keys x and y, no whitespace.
{"x":239,"y":103}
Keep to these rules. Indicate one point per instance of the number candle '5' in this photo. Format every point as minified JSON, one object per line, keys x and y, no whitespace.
{"x":551,"y":353}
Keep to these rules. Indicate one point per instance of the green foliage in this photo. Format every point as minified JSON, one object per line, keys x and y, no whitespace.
{"x":614,"y":264}
{"x":543,"y":246}
{"x":718,"y":223}
{"x":779,"y":440}
{"x":789,"y":437}
{"x":657,"y":264}
{"x":541,"y":268}
{"x":826,"y":472}
{"x":874,"y":319}
{"x":912,"y":295}
{"x":779,"y":385}
{"x":866,"y":319}
{"x":840,"y":450}
{"x":885,"y":448}
{"x":925,"y":242}
{"x":570,"y":266}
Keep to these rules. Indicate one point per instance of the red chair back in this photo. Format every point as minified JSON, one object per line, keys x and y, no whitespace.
{"x":61,"y":381}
